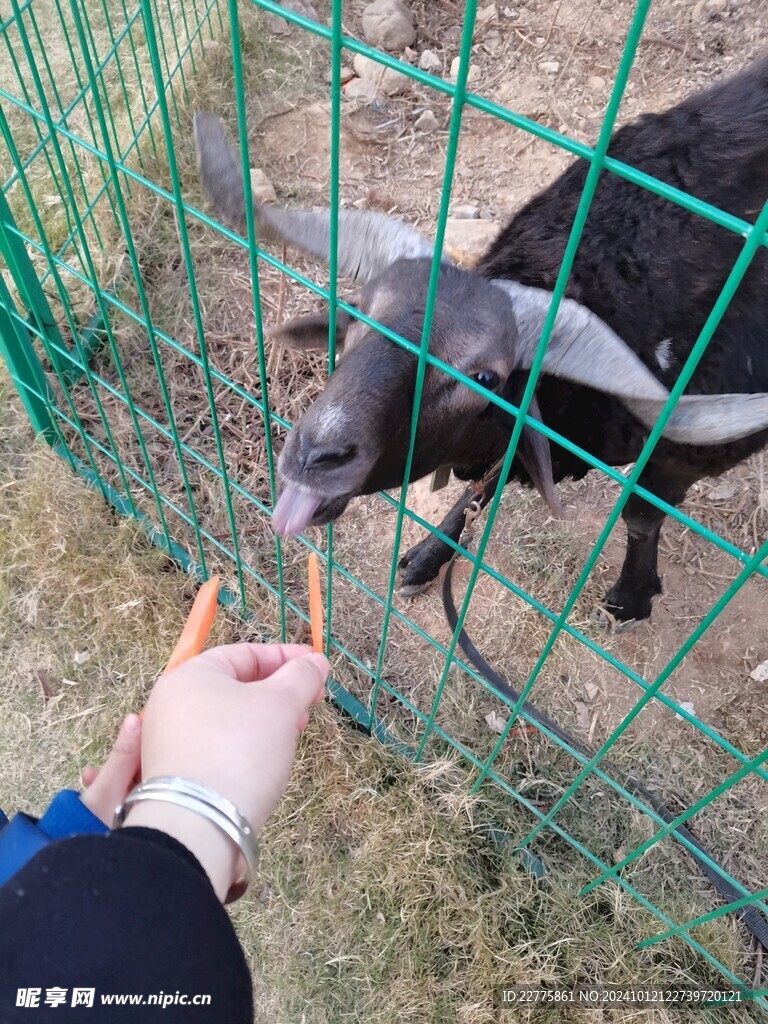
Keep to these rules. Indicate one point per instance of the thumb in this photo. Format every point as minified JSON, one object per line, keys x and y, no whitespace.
{"x":301,"y":681}
{"x":115,"y":778}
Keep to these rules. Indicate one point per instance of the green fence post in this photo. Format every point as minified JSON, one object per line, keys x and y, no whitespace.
{"x":18,"y":353}
{"x":25,"y":278}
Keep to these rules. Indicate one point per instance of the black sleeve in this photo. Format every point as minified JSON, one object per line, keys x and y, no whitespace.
{"x":128,"y":914}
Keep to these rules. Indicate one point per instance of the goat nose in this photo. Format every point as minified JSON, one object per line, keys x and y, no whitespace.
{"x":313,"y":456}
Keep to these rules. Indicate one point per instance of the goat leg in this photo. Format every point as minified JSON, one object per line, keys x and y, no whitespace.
{"x":630,"y":598}
{"x":639,"y":582}
{"x":423,"y":562}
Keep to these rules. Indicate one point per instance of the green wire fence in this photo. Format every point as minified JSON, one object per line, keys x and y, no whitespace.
{"x":107,"y":133}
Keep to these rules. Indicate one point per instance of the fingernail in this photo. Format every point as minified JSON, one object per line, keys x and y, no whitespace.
{"x":132,"y":724}
{"x":321,"y":662}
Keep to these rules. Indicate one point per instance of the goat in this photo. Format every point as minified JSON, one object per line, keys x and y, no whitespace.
{"x":646,"y":275}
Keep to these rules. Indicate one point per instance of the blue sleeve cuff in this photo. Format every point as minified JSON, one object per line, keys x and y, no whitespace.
{"x":67,"y":815}
{"x":23,"y":837}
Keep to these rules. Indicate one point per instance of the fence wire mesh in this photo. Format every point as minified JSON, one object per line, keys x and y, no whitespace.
{"x":97,"y":173}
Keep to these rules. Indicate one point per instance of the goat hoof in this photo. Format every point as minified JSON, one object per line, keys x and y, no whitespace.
{"x":412,"y":589}
{"x":611,"y":623}
{"x":420,"y":569}
{"x":624,"y":606}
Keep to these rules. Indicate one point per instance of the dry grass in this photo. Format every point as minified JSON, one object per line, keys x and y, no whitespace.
{"x":381,"y":894}
{"x":361,"y":834}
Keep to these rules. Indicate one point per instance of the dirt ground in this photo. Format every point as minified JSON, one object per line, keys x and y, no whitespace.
{"x":386,"y":164}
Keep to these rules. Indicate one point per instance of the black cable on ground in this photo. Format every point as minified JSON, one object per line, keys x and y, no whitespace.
{"x":754,"y":920}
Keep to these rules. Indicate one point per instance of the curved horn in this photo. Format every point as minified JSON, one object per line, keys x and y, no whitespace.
{"x":368,"y":241}
{"x":584,"y":349}
{"x":706,"y":419}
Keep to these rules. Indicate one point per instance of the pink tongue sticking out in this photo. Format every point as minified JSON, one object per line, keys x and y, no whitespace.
{"x":294,"y":509}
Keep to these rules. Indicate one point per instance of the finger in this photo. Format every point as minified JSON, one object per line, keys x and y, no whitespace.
{"x":301,"y":682}
{"x":251,"y":662}
{"x":116,"y":777}
{"x":88,"y":775}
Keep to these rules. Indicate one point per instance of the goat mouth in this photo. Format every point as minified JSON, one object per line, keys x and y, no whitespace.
{"x":297,"y":508}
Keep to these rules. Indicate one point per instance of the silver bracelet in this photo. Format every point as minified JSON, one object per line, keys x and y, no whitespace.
{"x":208,"y":804}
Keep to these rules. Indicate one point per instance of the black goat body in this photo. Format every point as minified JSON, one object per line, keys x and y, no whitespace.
{"x":652,"y":271}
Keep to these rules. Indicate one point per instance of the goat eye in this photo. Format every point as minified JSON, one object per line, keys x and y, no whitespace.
{"x":487,"y":379}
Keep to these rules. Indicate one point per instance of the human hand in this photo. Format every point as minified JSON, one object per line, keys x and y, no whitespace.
{"x":108,"y":786}
{"x":228,"y":719}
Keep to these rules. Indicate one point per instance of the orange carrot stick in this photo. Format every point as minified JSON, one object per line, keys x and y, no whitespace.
{"x":315,"y":604}
{"x":198,"y":625}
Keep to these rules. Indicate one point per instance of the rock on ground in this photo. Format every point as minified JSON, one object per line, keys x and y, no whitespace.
{"x":280,"y":27}
{"x":472,"y":75}
{"x":389,"y":24}
{"x":466,"y":240}
{"x":261,"y":187}
{"x":429,"y":61}
{"x":386,"y":80}
{"x":361,"y":90}
{"x":465,"y":211}
{"x":426,"y":122}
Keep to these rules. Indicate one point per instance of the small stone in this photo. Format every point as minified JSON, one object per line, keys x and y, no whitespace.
{"x":591,"y":690}
{"x":429,"y":61}
{"x":276,"y":25}
{"x":583,"y":716}
{"x":280,"y":27}
{"x":465,"y":211}
{"x":451,"y":35}
{"x":389,"y":24}
{"x":760,"y":674}
{"x":486,"y":16}
{"x":724,"y":491}
{"x":472,"y":75}
{"x":596,"y":83}
{"x":426,"y":122}
{"x":493,"y":42}
{"x":549,"y":67}
{"x":346,"y":72}
{"x":686,"y":706}
{"x":469,"y":239}
{"x":715,"y":6}
{"x":386,"y":80}
{"x":261,"y":187}
{"x":82,"y":656}
{"x":362,"y":90}
{"x":495,"y":722}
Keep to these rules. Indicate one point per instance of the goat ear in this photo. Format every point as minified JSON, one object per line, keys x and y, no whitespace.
{"x":311,"y":332}
{"x":533,"y":451}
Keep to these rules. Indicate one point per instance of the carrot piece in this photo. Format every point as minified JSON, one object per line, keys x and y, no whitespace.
{"x":315,"y":604}
{"x":198,"y":625}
